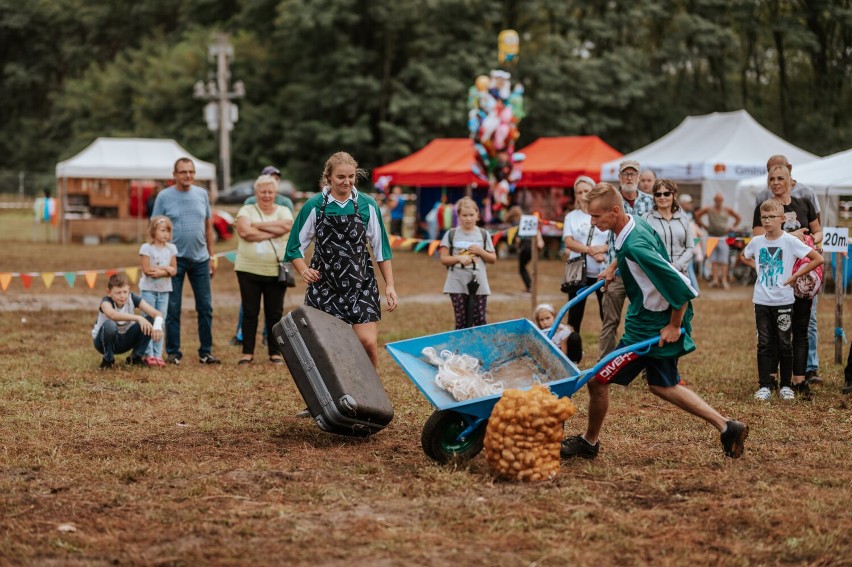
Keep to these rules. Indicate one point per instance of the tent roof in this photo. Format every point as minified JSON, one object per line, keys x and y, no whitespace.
{"x":442,"y":162}
{"x":829,"y":174}
{"x":131,"y":158}
{"x":557,"y":162}
{"x":722,"y":145}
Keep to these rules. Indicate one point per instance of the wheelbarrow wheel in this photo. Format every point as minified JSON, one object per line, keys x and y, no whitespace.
{"x":440,"y":438}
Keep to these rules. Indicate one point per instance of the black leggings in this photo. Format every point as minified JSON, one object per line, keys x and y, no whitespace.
{"x":252,"y":288}
{"x":575,"y":314}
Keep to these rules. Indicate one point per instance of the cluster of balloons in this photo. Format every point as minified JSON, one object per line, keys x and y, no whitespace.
{"x":495,"y":110}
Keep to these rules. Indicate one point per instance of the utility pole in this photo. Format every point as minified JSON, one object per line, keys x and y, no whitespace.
{"x":220,"y":113}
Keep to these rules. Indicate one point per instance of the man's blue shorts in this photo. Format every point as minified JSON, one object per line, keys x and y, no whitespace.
{"x":659,"y":371}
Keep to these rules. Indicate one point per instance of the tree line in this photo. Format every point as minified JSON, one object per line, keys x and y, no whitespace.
{"x":380,"y":78}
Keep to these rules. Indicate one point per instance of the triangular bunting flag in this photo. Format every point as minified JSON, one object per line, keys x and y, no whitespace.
{"x":47,"y":278}
{"x":510,"y":235}
{"x":409,"y":241}
{"x":70,"y":277}
{"x":231,"y":256}
{"x":711,"y":245}
{"x":421,"y":245}
{"x":110,"y":273}
{"x":91,"y":278}
{"x":215,"y":262}
{"x":132,"y":273}
{"x":495,"y":238}
{"x":434,"y":246}
{"x":5,"y":278}
{"x":27,"y":280}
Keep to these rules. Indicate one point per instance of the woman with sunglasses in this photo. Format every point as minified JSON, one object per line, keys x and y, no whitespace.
{"x":672,"y":225}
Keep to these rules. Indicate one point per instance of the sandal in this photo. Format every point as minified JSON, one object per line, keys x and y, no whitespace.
{"x":244,"y":361}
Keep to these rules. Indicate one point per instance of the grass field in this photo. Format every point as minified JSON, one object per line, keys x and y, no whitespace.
{"x":207,"y":465}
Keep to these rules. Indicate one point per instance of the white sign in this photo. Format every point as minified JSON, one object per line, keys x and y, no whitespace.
{"x":835,"y":238}
{"x":528,"y":226}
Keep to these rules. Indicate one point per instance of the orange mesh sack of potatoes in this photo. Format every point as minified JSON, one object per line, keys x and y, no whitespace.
{"x":524,"y":433}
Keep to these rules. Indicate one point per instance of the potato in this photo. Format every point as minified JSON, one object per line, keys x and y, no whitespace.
{"x":524,"y":433}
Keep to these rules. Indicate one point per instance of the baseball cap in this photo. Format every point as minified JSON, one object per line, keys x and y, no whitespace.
{"x":685,"y":198}
{"x":270,"y":170}
{"x":628,"y":163}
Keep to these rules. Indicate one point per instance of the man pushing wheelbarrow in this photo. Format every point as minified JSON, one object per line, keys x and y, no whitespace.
{"x":659,"y":305}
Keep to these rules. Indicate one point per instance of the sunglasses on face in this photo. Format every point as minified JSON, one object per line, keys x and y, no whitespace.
{"x":663,"y":194}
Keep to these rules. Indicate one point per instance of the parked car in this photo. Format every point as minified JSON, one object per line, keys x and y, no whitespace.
{"x":242,"y":190}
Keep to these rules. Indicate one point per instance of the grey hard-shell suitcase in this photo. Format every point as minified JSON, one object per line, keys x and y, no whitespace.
{"x":340,"y":386}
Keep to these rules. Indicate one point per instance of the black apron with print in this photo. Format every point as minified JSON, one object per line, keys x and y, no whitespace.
{"x":347,"y":287}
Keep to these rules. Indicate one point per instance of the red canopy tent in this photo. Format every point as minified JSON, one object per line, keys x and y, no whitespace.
{"x":557,"y":162}
{"x":440,"y":163}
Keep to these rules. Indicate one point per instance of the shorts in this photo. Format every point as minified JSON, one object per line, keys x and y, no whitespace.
{"x":721,"y":252}
{"x":659,"y":371}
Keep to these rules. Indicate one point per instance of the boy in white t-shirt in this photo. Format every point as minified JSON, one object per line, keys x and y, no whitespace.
{"x":773,"y":255}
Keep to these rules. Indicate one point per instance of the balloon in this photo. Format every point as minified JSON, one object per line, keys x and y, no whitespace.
{"x":500,"y":136}
{"x":482,"y":83}
{"x":489,"y":125}
{"x":473,"y":121}
{"x":472,"y":97}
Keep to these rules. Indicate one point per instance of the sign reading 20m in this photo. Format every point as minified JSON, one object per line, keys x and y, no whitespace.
{"x":835,"y":238}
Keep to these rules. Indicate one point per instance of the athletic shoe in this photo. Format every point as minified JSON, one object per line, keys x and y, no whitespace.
{"x":812,"y":377}
{"x":577,"y":446}
{"x":803,"y":390}
{"x":107,"y":364}
{"x":763,"y":394}
{"x":134,"y":360}
{"x":733,"y":438}
{"x":173,"y":359}
{"x":209,"y":359}
{"x":787,"y":393}
{"x":847,"y":388}
{"x":304,"y":413}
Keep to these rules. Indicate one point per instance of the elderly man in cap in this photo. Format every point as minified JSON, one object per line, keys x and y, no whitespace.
{"x":635,"y":203}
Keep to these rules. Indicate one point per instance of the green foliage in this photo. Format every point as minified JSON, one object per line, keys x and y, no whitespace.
{"x":381,"y":78}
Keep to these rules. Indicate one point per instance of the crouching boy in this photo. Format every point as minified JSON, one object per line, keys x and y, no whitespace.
{"x":119,"y":329}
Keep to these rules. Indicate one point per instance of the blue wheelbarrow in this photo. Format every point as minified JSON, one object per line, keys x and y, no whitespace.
{"x":454,"y":433}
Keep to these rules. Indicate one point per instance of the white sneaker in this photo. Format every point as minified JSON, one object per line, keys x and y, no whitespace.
{"x":786,"y":393}
{"x":763,"y":394}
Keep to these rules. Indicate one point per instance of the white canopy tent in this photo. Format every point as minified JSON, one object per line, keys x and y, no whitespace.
{"x":713,"y":152}
{"x":103,"y":176}
{"x":131,"y":158}
{"x":829,"y":177}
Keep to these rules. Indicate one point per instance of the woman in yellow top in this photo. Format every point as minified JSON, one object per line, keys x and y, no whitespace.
{"x":262,"y":228}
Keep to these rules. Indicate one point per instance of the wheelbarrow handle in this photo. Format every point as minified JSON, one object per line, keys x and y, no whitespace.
{"x":581,"y":295}
{"x":640,"y":348}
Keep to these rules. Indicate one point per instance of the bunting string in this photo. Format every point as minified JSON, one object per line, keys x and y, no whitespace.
{"x":415,"y":245}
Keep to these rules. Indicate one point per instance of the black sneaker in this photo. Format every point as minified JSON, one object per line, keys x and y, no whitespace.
{"x":802,"y":390}
{"x":209,"y":359}
{"x":812,"y":377}
{"x":847,"y":389}
{"x":134,"y":360}
{"x":733,"y":438}
{"x":173,"y":359}
{"x":577,"y":446}
{"x":107,"y":364}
